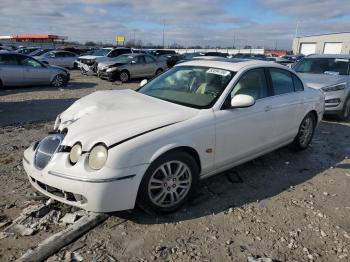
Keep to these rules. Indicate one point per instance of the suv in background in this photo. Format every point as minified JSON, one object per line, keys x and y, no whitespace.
{"x":329,"y":73}
{"x":88,"y":63}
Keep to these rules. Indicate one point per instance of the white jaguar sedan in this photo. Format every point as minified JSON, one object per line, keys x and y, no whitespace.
{"x":112,"y":150}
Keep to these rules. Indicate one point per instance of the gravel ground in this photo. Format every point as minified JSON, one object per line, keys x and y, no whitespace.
{"x":287,"y":206}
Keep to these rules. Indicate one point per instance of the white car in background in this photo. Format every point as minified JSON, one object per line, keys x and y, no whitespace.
{"x":89,"y":63}
{"x":58,"y":58}
{"x":329,"y":73}
{"x":113,"y":149}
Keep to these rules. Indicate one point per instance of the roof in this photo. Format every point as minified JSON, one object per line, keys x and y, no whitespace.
{"x":341,"y":56}
{"x":323,"y":34}
{"x":232,"y":66}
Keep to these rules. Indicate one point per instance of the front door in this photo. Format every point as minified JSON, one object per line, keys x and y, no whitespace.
{"x":242,"y":133}
{"x":34,"y":73}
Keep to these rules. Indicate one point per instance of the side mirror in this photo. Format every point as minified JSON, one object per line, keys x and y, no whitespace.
{"x":240,"y":101}
{"x":133,"y":62}
{"x":143,"y":82}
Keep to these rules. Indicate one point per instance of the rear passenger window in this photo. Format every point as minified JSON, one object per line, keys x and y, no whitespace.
{"x":282,"y":82}
{"x":298,"y":85}
{"x":149,"y":59}
{"x":252,"y":83}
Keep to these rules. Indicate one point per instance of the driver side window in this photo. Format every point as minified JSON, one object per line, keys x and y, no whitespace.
{"x":252,"y":83}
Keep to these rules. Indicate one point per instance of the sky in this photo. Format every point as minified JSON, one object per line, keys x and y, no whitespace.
{"x":265,"y":23}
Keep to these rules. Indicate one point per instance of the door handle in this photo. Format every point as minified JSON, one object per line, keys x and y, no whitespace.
{"x":267,"y":108}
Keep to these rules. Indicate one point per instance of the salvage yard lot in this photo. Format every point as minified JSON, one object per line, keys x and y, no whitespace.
{"x":286,"y":205}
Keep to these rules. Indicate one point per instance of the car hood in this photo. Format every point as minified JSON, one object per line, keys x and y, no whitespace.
{"x":90,"y":57}
{"x":110,"y":63}
{"x":115,"y":115}
{"x":317,"y":81}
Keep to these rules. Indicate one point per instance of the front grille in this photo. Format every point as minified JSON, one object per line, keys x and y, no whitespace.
{"x":69,"y":196}
{"x":46,"y":149}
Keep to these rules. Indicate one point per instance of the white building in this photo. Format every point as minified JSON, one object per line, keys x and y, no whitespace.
{"x":336,"y":43}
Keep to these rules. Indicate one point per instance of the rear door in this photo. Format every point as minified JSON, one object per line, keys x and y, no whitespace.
{"x":151,"y":65}
{"x":11,"y":73}
{"x":286,"y":104}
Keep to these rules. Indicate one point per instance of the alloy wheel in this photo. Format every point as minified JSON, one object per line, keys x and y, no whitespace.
{"x":169,"y":184}
{"x":346,"y":109}
{"x":124,"y":77}
{"x":306,"y":130}
{"x":58,"y":81}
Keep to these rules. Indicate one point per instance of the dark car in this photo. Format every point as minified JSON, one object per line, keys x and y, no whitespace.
{"x":159,"y":52}
{"x":217,"y":54}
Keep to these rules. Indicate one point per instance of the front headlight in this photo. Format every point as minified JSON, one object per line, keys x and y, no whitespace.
{"x":75,"y":153}
{"x":334,"y":88}
{"x":57,"y":122}
{"x":111,"y":69}
{"x":98,"y":157}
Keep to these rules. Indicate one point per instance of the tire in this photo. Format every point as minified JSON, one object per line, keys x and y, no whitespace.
{"x":1,"y":85}
{"x":305,"y":133}
{"x":124,"y":76}
{"x":168,"y":194}
{"x":75,"y":66}
{"x":345,"y":113}
{"x":59,"y":81}
{"x":159,"y":71}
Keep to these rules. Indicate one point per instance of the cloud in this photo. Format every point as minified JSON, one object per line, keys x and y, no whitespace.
{"x":309,"y":9}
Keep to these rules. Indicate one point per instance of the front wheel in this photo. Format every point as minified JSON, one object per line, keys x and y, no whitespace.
{"x":59,"y":81}
{"x":306,"y":132}
{"x":124,"y":76}
{"x":346,"y":110}
{"x":159,"y":71}
{"x":168,"y":183}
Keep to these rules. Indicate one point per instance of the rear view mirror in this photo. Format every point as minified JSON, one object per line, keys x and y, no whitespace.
{"x":240,"y":101}
{"x":143,"y":82}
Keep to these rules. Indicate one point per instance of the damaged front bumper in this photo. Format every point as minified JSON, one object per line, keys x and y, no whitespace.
{"x":105,"y":190}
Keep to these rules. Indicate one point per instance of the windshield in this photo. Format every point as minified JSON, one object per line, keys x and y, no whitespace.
{"x":101,"y":52}
{"x":332,"y":66}
{"x":192,"y":86}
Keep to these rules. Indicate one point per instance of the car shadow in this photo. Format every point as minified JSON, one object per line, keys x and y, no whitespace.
{"x":260,"y":179}
{"x":76,"y":85}
{"x":40,"y":110}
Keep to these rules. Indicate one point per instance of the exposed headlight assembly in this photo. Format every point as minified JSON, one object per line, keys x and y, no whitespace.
{"x":337,"y":87}
{"x":111,"y":69}
{"x":98,"y":157}
{"x":75,"y":153}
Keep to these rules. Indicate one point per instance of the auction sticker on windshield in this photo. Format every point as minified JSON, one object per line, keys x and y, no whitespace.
{"x":218,"y":72}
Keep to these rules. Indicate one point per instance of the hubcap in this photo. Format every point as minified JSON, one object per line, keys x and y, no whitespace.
{"x":306,"y":131}
{"x":169,"y":184}
{"x":347,"y":109}
{"x":124,"y":77}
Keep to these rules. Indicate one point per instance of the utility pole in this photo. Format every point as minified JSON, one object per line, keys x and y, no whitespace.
{"x":163,"y":34}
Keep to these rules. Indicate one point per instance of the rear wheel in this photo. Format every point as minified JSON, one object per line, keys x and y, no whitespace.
{"x":59,"y":80}
{"x":168,"y":183}
{"x":124,"y":76}
{"x":346,"y":110}
{"x":306,"y":132}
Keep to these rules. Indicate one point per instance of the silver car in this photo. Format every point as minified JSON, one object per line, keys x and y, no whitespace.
{"x":130,"y":66}
{"x":330,"y":73}
{"x":22,"y":70}
{"x":59,"y":58}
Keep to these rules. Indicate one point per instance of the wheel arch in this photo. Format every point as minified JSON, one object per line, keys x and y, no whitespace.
{"x":187,"y":149}
{"x":314,"y":113}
